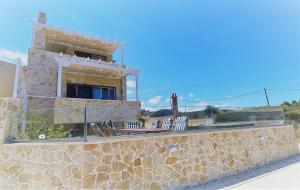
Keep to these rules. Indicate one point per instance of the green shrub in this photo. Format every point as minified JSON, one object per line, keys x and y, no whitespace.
{"x":35,"y":127}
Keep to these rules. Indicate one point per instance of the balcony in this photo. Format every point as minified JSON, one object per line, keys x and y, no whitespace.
{"x":79,"y":65}
{"x":71,"y":110}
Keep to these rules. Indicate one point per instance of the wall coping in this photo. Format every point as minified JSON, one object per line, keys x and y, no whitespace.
{"x":141,"y":136}
{"x":9,"y":98}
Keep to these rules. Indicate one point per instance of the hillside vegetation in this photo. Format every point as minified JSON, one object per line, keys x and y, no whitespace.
{"x":292,"y":114}
{"x":292,"y":110}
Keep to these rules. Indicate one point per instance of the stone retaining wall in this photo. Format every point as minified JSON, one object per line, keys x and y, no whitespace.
{"x":9,"y":109}
{"x":158,"y":161}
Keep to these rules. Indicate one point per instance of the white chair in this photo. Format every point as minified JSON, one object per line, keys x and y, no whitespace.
{"x":166,"y":123}
{"x":134,"y":125}
{"x":181,"y":123}
{"x":154,"y":124}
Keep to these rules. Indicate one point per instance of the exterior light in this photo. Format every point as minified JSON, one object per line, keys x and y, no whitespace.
{"x":42,"y":136}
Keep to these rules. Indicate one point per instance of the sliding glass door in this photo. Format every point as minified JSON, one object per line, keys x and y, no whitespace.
{"x":97,"y":93}
{"x":91,"y":92}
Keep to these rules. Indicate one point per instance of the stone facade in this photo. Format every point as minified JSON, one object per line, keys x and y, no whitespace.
{"x":22,"y":89}
{"x":41,"y":73}
{"x":70,"y":110}
{"x":151,"y":162}
{"x":41,"y":79}
{"x":59,"y":57}
{"x":9,"y":109}
{"x":41,"y":76}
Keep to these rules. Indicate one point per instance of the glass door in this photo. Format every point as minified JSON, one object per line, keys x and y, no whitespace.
{"x":97,"y":93}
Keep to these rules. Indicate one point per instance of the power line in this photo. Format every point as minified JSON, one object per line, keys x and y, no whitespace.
{"x":284,"y":89}
{"x":232,"y":97}
{"x":238,"y":96}
{"x":220,"y":107}
{"x":215,"y":100}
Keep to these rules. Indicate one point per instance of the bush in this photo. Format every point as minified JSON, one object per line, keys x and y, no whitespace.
{"x":293,"y":115}
{"x":35,"y":127}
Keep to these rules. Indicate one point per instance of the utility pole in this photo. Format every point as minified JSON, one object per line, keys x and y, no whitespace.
{"x":267,"y":97}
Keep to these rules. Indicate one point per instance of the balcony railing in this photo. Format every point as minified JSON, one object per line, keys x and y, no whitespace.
{"x":82,"y":60}
{"x":70,"y":110}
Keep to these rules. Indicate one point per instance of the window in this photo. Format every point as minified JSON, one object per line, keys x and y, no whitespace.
{"x":97,"y":93}
{"x":90,"y":55}
{"x":91,"y":92}
{"x":111,"y":94}
{"x":84,"y":92}
{"x":104,"y":93}
{"x":71,"y":91}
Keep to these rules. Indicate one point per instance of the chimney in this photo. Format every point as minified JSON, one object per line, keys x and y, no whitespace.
{"x":42,"y":18}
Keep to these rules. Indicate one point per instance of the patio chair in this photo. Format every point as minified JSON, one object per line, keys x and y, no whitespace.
{"x":108,"y":128}
{"x":94,"y":129}
{"x":112,"y":128}
{"x":181,"y":123}
{"x":167,"y":123}
{"x":133,"y":125}
{"x":154,"y":124}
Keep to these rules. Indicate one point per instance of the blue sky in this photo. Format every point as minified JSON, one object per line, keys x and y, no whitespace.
{"x":202,"y":50}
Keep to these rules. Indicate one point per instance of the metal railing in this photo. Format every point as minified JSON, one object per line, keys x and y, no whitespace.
{"x":83,"y":123}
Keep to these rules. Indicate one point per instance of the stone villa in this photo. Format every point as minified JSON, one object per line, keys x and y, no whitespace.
{"x":67,"y":70}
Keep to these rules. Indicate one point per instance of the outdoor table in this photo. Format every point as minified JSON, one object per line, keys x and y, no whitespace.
{"x":143,"y":130}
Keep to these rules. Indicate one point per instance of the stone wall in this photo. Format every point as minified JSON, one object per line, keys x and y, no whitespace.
{"x":22,"y":89}
{"x":151,"y":162}
{"x":41,"y":77}
{"x":9,"y":109}
{"x":71,"y":110}
{"x":41,"y":73}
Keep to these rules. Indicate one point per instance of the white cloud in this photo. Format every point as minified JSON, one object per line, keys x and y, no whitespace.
{"x":181,"y":97}
{"x":130,"y":83}
{"x":201,"y":105}
{"x":155,"y":100}
{"x":225,"y":105}
{"x":151,"y":108}
{"x":191,"y":95}
{"x":130,"y":92}
{"x":168,"y":100}
{"x":11,"y":56}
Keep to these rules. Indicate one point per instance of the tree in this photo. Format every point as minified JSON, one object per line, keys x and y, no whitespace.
{"x":285,"y":103}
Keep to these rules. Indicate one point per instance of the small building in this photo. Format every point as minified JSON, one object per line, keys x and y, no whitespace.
{"x":68,"y":71}
{"x":7,"y":78}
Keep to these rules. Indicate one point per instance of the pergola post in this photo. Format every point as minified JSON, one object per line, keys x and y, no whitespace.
{"x":59,"y":78}
{"x":137,"y":86}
